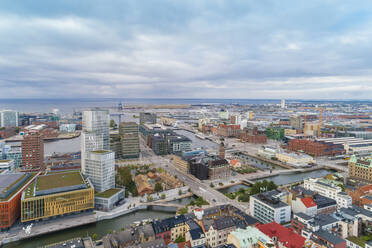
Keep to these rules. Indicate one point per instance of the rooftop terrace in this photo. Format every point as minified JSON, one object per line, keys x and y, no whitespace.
{"x":59,"y":180}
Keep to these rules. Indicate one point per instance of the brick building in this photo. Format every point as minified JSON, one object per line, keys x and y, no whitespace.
{"x":33,"y":150}
{"x":316,"y":148}
{"x":228,"y":130}
{"x":253,"y":136}
{"x":361,"y":195}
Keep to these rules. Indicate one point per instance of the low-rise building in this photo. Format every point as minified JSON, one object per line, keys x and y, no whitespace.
{"x":282,"y":236}
{"x":328,"y":190}
{"x":267,"y":207}
{"x":56,"y":194}
{"x":249,"y":237}
{"x":143,"y":186}
{"x":107,"y":200}
{"x":11,"y":188}
{"x":6,"y":166}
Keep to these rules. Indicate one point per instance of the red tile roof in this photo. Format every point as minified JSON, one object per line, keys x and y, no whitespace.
{"x":286,"y":236}
{"x":308,"y":202}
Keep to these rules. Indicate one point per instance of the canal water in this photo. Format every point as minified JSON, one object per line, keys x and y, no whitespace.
{"x":198,"y":143}
{"x":62,"y":146}
{"x":100,"y":228}
{"x":184,"y":201}
{"x":296,"y":177}
{"x":233,"y":188}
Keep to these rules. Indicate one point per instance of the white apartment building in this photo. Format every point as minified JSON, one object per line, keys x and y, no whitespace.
{"x":267,"y":207}
{"x":100,"y":169}
{"x":329,"y":190}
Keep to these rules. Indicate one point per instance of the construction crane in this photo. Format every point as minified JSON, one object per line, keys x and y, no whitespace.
{"x":320,"y":109}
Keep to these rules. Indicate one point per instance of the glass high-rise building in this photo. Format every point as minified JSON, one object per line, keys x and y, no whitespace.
{"x":9,"y":118}
{"x":95,"y":134}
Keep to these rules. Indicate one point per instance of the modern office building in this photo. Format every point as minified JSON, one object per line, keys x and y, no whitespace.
{"x":9,"y":118}
{"x":33,"y":150}
{"x":56,"y":194}
{"x":115,"y":144}
{"x":95,"y":134}
{"x":11,"y":188}
{"x":15,"y":154}
{"x":107,"y":200}
{"x":177,"y":144}
{"x":100,"y":169}
{"x":67,"y":128}
{"x":267,"y":207}
{"x":149,"y":118}
{"x":129,"y":139}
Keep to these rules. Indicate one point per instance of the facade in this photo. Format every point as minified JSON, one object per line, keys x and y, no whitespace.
{"x":253,"y":136}
{"x":11,"y":188}
{"x":95,"y":134}
{"x":100,"y":169}
{"x":297,"y":160}
{"x":316,"y":148}
{"x":149,"y":118}
{"x":107,"y":200}
{"x":15,"y":154}
{"x":9,"y":118}
{"x":267,"y":207}
{"x":33,"y":150}
{"x":328,"y":190}
{"x":180,"y":163}
{"x":178,"y":144}
{"x":129,"y":139}
{"x":209,"y":167}
{"x":360,"y":168}
{"x":56,"y":194}
{"x":115,"y":144}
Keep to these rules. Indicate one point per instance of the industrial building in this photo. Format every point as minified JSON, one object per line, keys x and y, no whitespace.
{"x":56,"y":194}
{"x":316,"y":148}
{"x":11,"y":188}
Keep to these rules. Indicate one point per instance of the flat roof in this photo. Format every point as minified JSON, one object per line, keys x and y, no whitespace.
{"x":100,"y":151}
{"x":11,"y":183}
{"x":108,"y":193}
{"x":7,"y":180}
{"x":59,"y":180}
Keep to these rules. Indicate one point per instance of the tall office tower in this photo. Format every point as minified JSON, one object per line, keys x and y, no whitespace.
{"x":100,"y":169}
{"x":33,"y":150}
{"x":9,"y":118}
{"x":95,"y":134}
{"x":148,"y":118}
{"x":282,"y":104}
{"x":129,"y":139}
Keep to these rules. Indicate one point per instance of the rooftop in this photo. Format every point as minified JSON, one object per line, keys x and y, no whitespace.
{"x":286,"y":236}
{"x":11,"y":183}
{"x":100,"y":151}
{"x":59,"y":180}
{"x":108,"y":193}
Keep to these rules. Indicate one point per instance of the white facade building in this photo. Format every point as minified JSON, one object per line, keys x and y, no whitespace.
{"x":100,"y":169}
{"x":267,"y":207}
{"x":95,"y":134}
{"x":329,"y":190}
{"x":67,"y":128}
{"x":9,"y":118}
{"x":6,"y":166}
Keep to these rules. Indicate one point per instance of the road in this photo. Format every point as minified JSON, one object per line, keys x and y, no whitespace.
{"x":213,"y":196}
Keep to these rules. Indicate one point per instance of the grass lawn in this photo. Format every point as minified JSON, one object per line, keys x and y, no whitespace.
{"x":59,"y":180}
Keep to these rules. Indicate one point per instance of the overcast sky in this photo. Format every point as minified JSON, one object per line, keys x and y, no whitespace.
{"x":186,"y":49}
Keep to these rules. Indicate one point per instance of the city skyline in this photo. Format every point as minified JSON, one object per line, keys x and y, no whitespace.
{"x":161,"y":49}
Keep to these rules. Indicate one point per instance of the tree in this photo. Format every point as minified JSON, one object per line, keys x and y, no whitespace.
{"x":211,"y":185}
{"x":149,"y":198}
{"x":94,"y":236}
{"x":180,"y":239}
{"x":163,"y":196}
{"x":183,"y":210}
{"x":158,"y":187}
{"x":112,"y":124}
{"x":180,"y":192}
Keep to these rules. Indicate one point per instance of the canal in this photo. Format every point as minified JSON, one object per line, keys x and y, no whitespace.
{"x":296,"y":177}
{"x":62,"y":146}
{"x":233,"y":188}
{"x":101,"y":228}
